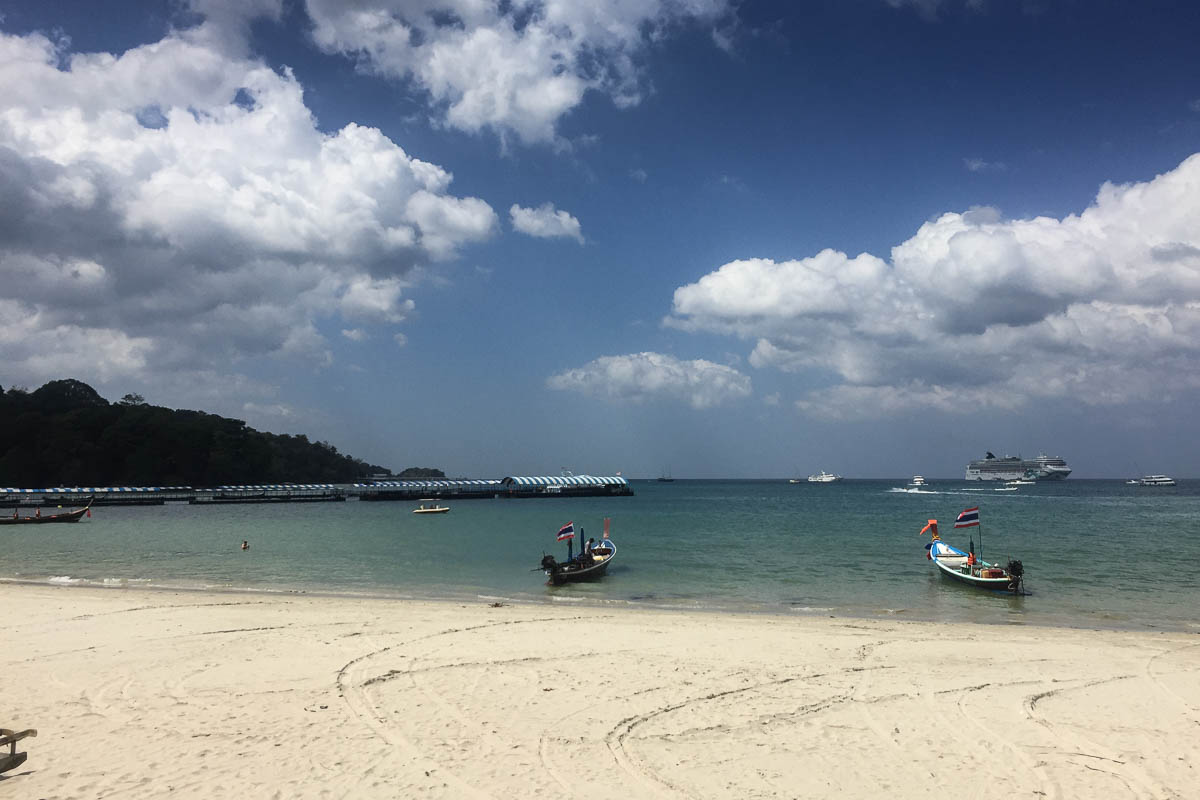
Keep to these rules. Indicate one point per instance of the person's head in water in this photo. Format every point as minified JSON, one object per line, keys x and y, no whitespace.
{"x":245,"y":544}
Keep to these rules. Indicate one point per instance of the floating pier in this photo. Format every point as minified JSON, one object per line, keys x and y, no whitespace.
{"x":98,"y":495}
{"x":478,"y":489}
{"x":510,"y":487}
{"x":271,"y":493}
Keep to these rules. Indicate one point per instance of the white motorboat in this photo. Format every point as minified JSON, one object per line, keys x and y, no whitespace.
{"x":824,"y":477}
{"x":1157,"y":480}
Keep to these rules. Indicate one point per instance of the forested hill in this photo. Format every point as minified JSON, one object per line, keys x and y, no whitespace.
{"x":65,"y":434}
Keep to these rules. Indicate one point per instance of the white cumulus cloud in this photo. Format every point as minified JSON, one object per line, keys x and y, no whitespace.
{"x":174,"y":209}
{"x":637,"y":377}
{"x":545,"y":222}
{"x":511,"y":67}
{"x":977,"y":312}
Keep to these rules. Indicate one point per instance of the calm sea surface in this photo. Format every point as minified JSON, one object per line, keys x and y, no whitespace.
{"x":1096,"y":553}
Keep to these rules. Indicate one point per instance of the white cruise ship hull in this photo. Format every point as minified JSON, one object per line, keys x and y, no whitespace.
{"x":1012,"y":468}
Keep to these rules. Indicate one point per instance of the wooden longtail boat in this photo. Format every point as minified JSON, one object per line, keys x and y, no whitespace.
{"x":67,"y":516}
{"x":963,"y":567}
{"x":584,"y":567}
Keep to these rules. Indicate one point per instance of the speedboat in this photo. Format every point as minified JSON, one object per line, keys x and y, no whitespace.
{"x":433,"y":509}
{"x":917,"y":482}
{"x":824,"y":477}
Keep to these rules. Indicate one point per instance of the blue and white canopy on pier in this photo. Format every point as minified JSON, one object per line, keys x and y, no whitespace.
{"x":430,"y":484}
{"x":566,"y":480}
{"x":97,"y":489}
{"x":273,"y":487}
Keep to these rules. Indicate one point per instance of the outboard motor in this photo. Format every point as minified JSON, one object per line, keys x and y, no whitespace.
{"x":1015,"y":571}
{"x":549,"y":564}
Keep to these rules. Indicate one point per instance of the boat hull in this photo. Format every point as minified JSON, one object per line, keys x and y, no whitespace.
{"x":69,"y":516}
{"x":586,"y":574}
{"x":575,"y":571}
{"x":1003,"y":583}
{"x":952,"y":563}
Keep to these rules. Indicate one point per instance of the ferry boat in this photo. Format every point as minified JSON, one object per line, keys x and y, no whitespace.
{"x":1013,"y":468}
{"x":1156,"y":480}
{"x":824,"y":477}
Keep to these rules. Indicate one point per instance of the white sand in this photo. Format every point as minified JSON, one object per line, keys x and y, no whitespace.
{"x":150,"y":694}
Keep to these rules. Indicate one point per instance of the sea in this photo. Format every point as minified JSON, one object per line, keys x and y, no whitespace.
{"x":1096,"y":553}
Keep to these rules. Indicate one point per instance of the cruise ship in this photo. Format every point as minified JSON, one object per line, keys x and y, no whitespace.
{"x":1011,"y":468}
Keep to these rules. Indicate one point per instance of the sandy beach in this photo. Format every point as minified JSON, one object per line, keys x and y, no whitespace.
{"x":153,"y":693}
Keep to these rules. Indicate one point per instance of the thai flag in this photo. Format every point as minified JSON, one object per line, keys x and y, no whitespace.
{"x":566,"y":531}
{"x":968,"y":518}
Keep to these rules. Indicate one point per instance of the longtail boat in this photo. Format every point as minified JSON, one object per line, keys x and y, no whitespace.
{"x":964,"y":567}
{"x":36,"y":519}
{"x":587,"y":566}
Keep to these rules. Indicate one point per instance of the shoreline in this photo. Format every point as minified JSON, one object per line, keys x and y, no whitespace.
{"x":1045,"y":621}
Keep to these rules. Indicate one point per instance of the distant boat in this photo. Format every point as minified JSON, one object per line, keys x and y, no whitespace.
{"x":67,"y":516}
{"x":824,"y":477}
{"x":965,"y":568}
{"x":665,"y":477}
{"x":433,"y":509}
{"x":1011,"y":468}
{"x":1155,"y":480}
{"x":917,"y":482}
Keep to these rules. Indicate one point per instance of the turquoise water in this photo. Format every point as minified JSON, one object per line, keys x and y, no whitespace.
{"x":1096,"y":553}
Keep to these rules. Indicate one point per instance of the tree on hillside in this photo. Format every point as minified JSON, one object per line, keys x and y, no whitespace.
{"x":66,"y":434}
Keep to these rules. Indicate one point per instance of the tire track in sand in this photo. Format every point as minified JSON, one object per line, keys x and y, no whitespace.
{"x":351,"y":685}
{"x":647,"y":777}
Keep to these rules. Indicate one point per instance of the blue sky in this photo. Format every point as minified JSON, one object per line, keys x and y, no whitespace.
{"x":877,"y":237}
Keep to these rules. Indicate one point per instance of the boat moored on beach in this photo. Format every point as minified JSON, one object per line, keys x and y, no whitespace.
{"x":590,"y":564}
{"x":964,"y":566}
